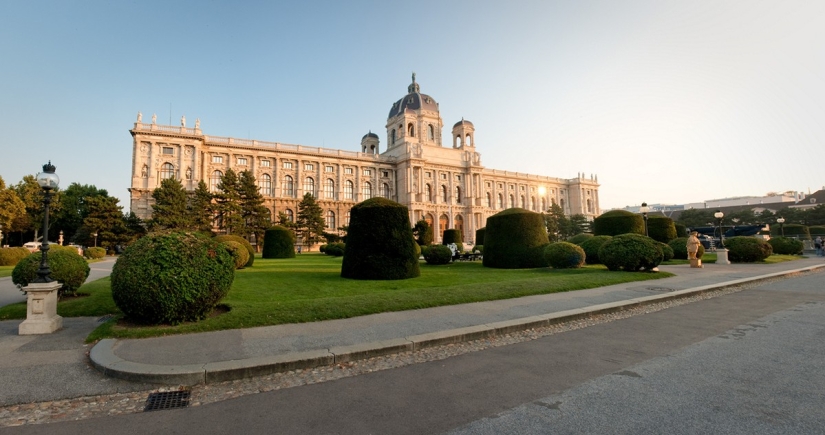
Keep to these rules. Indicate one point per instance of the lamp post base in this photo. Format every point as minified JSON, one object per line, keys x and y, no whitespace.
{"x":722,"y":256}
{"x":41,"y":309}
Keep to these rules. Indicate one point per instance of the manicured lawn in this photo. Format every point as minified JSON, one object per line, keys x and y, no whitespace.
{"x":309,"y":288}
{"x":776,"y":258}
{"x":5,"y":271}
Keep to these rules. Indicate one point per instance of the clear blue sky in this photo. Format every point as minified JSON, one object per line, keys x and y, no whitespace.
{"x":667,"y":102}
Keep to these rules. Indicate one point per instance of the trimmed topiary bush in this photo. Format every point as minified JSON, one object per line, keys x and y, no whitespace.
{"x":814,"y":230}
{"x":480,"y":235}
{"x":12,"y":256}
{"x":679,"y":247}
{"x":94,"y":253}
{"x":279,"y":242}
{"x":795,"y":230}
{"x":564,"y":255}
{"x":786,"y":246}
{"x":239,"y":253}
{"x":661,"y":228}
{"x":453,"y":236}
{"x":667,"y":251}
{"x":617,"y":222}
{"x":579,"y":238}
{"x":67,"y":267}
{"x":631,"y":252}
{"x":681,"y":231}
{"x":242,"y":241}
{"x":380,"y":242}
{"x":336,"y":249}
{"x":438,"y":254}
{"x":743,"y":249}
{"x":515,"y":239}
{"x":172,"y":278}
{"x":591,"y":247}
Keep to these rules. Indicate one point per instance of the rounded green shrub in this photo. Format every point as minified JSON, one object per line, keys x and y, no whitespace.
{"x":679,"y":247}
{"x":579,"y":238}
{"x":279,"y":242}
{"x":631,"y":252}
{"x":480,"y":235}
{"x":322,"y":249}
{"x":453,"y":236}
{"x":239,"y":253}
{"x":380,"y":242}
{"x":564,"y":255}
{"x":796,"y":230}
{"x":681,"y":231}
{"x":336,"y":249}
{"x":242,"y":241}
{"x":66,"y":265}
{"x":667,"y":251}
{"x":591,"y":247}
{"x":12,"y":256}
{"x":172,"y":278}
{"x":813,"y":230}
{"x":438,"y":254}
{"x":94,"y":253}
{"x":743,"y":249}
{"x":515,"y":239}
{"x":786,"y":246}
{"x":661,"y":228}
{"x":617,"y":222}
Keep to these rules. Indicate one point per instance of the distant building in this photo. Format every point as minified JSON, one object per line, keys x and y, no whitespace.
{"x":445,"y":185}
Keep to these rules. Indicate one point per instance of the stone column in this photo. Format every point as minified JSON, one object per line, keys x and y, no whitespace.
{"x":41,"y":309}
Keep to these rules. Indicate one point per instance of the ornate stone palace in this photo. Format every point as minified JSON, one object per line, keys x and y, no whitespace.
{"x":446,"y":185}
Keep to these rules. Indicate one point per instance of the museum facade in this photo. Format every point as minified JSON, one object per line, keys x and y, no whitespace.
{"x":445,"y":185}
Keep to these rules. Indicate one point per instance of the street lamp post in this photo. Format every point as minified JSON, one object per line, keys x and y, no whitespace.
{"x":644,"y":209}
{"x":48,"y":181}
{"x":719,"y":215}
{"x":781,"y":222}
{"x":1,"y":236}
{"x":95,"y":234}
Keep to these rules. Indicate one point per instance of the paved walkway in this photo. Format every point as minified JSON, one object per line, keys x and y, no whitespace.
{"x":10,"y":294}
{"x":57,"y":366}
{"x":223,"y":355}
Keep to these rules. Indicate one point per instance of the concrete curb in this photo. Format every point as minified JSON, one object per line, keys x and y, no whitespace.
{"x":103,"y":355}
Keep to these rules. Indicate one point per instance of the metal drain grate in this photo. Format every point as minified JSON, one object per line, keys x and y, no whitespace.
{"x":660,"y":289}
{"x":167,"y":400}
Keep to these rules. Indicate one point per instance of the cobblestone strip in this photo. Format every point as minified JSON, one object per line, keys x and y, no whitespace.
{"x":127,"y":403}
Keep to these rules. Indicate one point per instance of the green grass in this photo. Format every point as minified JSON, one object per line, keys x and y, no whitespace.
{"x":5,"y":271}
{"x":707,"y":258}
{"x":309,"y":288}
{"x":776,"y":258}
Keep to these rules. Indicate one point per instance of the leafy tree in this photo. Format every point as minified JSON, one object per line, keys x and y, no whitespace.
{"x":11,"y":206}
{"x":560,"y":227}
{"x":228,"y":204}
{"x":73,"y":208}
{"x":695,"y":217}
{"x":423,"y":233}
{"x":200,"y":208}
{"x":106,"y":219}
{"x":742,"y":217}
{"x":310,"y":221}
{"x":169,"y":212}
{"x":32,"y":196}
{"x":135,"y":227}
{"x":255,"y":215}
{"x":577,"y":224}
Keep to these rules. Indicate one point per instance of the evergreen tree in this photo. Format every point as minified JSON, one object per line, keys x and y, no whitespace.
{"x":255,"y":215}
{"x":200,"y":208}
{"x":106,"y":219}
{"x":169,"y":210}
{"x":310,"y":219}
{"x":135,"y":227}
{"x":558,"y":226}
{"x":228,"y":204}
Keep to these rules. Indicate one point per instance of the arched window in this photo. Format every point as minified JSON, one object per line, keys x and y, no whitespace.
{"x":214,"y":180}
{"x":329,"y":188}
{"x":458,"y":195}
{"x":410,"y":130}
{"x":500,"y":203}
{"x":489,"y":200}
{"x":329,"y":221}
{"x":266,"y":185}
{"x":533,"y":203}
{"x":543,"y":205}
{"x":309,"y":186}
{"x":385,"y":190}
{"x":289,"y":215}
{"x":458,"y":223}
{"x":561,"y":203}
{"x":431,"y":132}
{"x":442,"y":225}
{"x":589,"y":206}
{"x":392,"y":137}
{"x":289,"y":187}
{"x":443,"y":194}
{"x":346,"y":218}
{"x":167,"y":171}
{"x":512,"y":201}
{"x":348,"y":190}
{"x":468,"y":141}
{"x":523,"y":203}
{"x":428,"y":193}
{"x":366,"y":191}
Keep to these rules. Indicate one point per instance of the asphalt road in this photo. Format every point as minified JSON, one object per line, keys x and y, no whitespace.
{"x":749,"y":362}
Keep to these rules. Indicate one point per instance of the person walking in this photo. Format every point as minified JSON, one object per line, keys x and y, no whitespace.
{"x":818,"y":246}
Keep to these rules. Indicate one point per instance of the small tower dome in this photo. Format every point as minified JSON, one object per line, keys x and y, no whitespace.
{"x":464,"y":134}
{"x":369,"y":143}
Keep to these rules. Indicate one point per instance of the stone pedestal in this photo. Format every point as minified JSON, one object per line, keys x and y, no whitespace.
{"x":722,"y":256}
{"x":41,"y":309}
{"x":695,"y":262}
